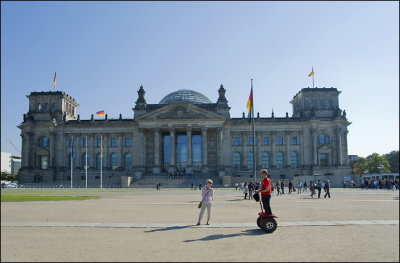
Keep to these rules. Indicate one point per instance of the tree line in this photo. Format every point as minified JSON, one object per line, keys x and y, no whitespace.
{"x":369,"y":164}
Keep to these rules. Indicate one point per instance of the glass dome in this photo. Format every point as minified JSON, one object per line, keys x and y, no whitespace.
{"x":185,"y":95}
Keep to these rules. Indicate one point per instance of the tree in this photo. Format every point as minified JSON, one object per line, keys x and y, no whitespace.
{"x":352,"y":162}
{"x":374,"y":160}
{"x":8,"y":177}
{"x":393,"y":159}
{"x":360,"y":165}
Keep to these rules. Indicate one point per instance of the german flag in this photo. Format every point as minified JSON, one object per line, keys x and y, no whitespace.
{"x":54,"y":80}
{"x":100,"y":113}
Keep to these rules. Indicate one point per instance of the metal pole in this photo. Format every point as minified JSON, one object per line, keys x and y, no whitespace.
{"x":254,"y":132}
{"x":86,"y":161}
{"x":72,"y":157}
{"x":101,"y":162}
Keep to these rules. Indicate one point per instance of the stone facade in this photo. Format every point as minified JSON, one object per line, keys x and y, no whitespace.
{"x":181,"y":135}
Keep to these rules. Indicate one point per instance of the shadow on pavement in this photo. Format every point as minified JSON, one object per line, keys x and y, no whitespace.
{"x":249,"y":232}
{"x":168,"y":228}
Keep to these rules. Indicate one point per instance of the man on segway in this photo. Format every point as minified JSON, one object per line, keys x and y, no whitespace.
{"x":265,"y":191}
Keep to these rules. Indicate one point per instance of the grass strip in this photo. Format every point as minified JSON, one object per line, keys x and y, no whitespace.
{"x":31,"y":198}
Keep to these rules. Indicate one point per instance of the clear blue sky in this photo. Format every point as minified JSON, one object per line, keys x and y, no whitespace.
{"x":103,"y":51}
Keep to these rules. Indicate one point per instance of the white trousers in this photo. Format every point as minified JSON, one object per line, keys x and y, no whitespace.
{"x":203,"y":208}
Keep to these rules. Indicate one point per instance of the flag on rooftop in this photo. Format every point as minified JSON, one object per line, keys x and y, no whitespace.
{"x":250,"y":105}
{"x":54,"y":80}
{"x":312,"y":73}
{"x":100,"y":113}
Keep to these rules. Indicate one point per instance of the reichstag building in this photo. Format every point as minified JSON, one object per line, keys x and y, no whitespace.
{"x":184,"y":134}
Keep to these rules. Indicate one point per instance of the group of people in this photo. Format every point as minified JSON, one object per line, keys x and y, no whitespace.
{"x":265,"y":190}
{"x":389,"y":184}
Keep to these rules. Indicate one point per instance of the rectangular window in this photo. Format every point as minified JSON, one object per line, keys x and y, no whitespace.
{"x":98,"y":142}
{"x":127,"y":142}
{"x":323,"y":159}
{"x":280,"y":140}
{"x":84,"y":142}
{"x":113,"y":142}
{"x":251,"y":141}
{"x":294,"y":140}
{"x":266,"y":141}
{"x":236,"y":141}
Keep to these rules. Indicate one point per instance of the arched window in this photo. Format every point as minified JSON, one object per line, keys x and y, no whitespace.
{"x":265,"y":160}
{"x":236,"y":161}
{"x":114,"y":161}
{"x":128,"y":161}
{"x":279,"y":160}
{"x":84,"y":160}
{"x":319,"y":103}
{"x":44,"y":142}
{"x":323,"y":139}
{"x":250,"y":157}
{"x":311,"y":103}
{"x":293,"y":159}
{"x":327,"y":104}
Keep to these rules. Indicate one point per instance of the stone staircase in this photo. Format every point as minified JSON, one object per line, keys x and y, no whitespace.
{"x":184,"y":181}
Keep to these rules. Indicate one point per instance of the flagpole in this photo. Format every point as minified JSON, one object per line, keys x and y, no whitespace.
{"x":254,"y":132}
{"x":86,"y":161}
{"x":312,"y":77}
{"x":101,"y":162}
{"x":72,"y":157}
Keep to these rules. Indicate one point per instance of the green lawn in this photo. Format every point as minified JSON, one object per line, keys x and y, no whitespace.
{"x":30,"y":198}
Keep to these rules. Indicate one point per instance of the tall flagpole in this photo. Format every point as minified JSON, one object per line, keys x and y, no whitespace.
{"x":72,"y":157}
{"x":254,"y":132}
{"x":86,"y":161}
{"x":101,"y":162}
{"x":312,"y":77}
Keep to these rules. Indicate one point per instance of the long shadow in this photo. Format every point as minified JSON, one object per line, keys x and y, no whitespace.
{"x":168,"y":228}
{"x":249,"y":232}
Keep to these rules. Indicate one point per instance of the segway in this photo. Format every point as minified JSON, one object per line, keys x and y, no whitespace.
{"x":264,"y":221}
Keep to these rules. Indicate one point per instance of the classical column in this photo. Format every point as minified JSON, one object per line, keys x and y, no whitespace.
{"x":301,"y":139}
{"x":314,"y":143}
{"x":339,"y":145}
{"x":52,"y":155}
{"x":258,"y":150}
{"x":25,"y":149}
{"x":105,"y":151}
{"x":346,"y":160}
{"x":189,"y":146}
{"x":120,"y":148}
{"x":287,"y":148}
{"x":172,"y":146}
{"x":243,"y":160}
{"x":156,"y":168}
{"x":92,"y":142}
{"x":204,"y":149}
{"x":273,"y":142}
{"x":77,"y":153}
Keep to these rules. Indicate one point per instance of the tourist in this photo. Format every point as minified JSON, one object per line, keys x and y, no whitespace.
{"x":251,"y":189}
{"x":207,"y":195}
{"x":265,"y":191}
{"x":319,"y":187}
{"x":305,"y":186}
{"x":236,"y":185}
{"x":299,"y":184}
{"x":312,"y":189}
{"x":245,"y":190}
{"x":278,"y":187}
{"x":326,"y":188}
{"x":199,"y":186}
{"x":290,"y":186}
{"x":241,"y":185}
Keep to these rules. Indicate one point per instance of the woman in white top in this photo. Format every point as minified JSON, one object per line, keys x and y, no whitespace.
{"x":207,"y":194}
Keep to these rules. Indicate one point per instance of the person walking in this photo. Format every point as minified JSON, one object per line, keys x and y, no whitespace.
{"x":251,"y":189}
{"x":312,"y":189}
{"x":290,"y":186}
{"x":236,"y":185}
{"x":305,"y":186}
{"x":207,"y":195}
{"x":245,"y":190}
{"x":327,"y":187}
{"x":282,"y":187}
{"x":299,"y":187}
{"x":319,"y":187}
{"x":278,"y":187}
{"x":265,"y":191}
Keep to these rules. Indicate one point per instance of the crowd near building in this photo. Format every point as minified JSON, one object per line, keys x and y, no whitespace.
{"x":184,"y":134}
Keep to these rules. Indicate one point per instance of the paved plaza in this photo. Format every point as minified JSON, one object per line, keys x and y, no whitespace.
{"x":151,"y":225}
